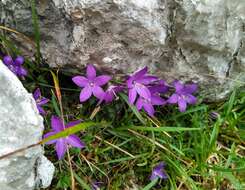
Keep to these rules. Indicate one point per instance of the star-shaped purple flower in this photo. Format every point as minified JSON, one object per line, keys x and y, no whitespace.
{"x":92,"y":84}
{"x":183,"y":95}
{"x":158,"y":172}
{"x":40,"y":101}
{"x":16,"y":65}
{"x":61,"y":144}
{"x":137,"y":85}
{"x":155,"y":99}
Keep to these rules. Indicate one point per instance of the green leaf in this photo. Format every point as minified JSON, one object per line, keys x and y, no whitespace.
{"x":36,"y":29}
{"x":214,"y":134}
{"x":55,"y":104}
{"x":82,"y":182}
{"x":133,"y":108}
{"x":230,"y":103}
{"x":160,"y":129}
{"x":151,"y":184}
{"x":235,"y":182}
{"x":191,"y":110}
{"x":69,"y":131}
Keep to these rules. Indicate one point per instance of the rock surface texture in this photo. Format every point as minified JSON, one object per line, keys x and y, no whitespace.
{"x":198,"y":40}
{"x":20,"y":126}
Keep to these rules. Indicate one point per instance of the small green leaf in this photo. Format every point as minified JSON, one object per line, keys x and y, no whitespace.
{"x":151,"y":184}
{"x":69,"y":131}
{"x":82,"y":182}
{"x":160,"y":129}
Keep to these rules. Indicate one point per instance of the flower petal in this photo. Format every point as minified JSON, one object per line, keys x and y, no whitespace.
{"x":19,"y":60}
{"x":85,"y":94}
{"x":140,"y":73}
{"x":21,"y":71}
{"x":109,"y":96}
{"x":182,"y":105}
{"x":129,"y":82}
{"x":190,"y":88}
{"x":91,"y":72}
{"x":50,"y":134}
{"x":158,"y":88}
{"x":73,"y":123}
{"x":178,"y":86}
{"x":7,"y":60}
{"x":143,"y":91}
{"x":37,"y":93}
{"x":102,"y":80}
{"x":149,"y":109}
{"x":60,"y":147}
{"x":132,"y":95}
{"x":139,"y":104}
{"x":190,"y":99}
{"x":43,"y":101}
{"x":147,"y":79}
{"x":157,"y":100}
{"x":98,"y":92}
{"x":74,"y":140}
{"x":41,"y":110}
{"x":173,"y":99}
{"x":80,"y":81}
{"x":56,"y":124}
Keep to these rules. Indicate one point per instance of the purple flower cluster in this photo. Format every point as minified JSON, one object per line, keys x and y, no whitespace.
{"x":15,"y":65}
{"x":144,"y":91}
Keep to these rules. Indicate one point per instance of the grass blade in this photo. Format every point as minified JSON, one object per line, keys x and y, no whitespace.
{"x":230,"y":103}
{"x":133,"y":108}
{"x":69,"y":131}
{"x":57,"y":86}
{"x":160,"y":129}
{"x":36,"y":30}
{"x":82,"y":182}
{"x":151,"y":184}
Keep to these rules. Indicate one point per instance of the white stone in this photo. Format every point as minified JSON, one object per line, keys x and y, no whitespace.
{"x":20,"y":126}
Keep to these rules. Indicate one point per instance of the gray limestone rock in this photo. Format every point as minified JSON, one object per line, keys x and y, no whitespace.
{"x":20,"y":126}
{"x":197,"y":40}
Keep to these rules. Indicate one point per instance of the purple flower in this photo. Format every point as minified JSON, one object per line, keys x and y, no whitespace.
{"x":40,"y":101}
{"x":61,"y":144}
{"x":110,"y":93}
{"x":91,"y":84}
{"x":7,"y":60}
{"x":148,"y":104}
{"x":137,"y":85}
{"x":158,"y":172}
{"x":16,"y":65}
{"x":183,"y":95}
